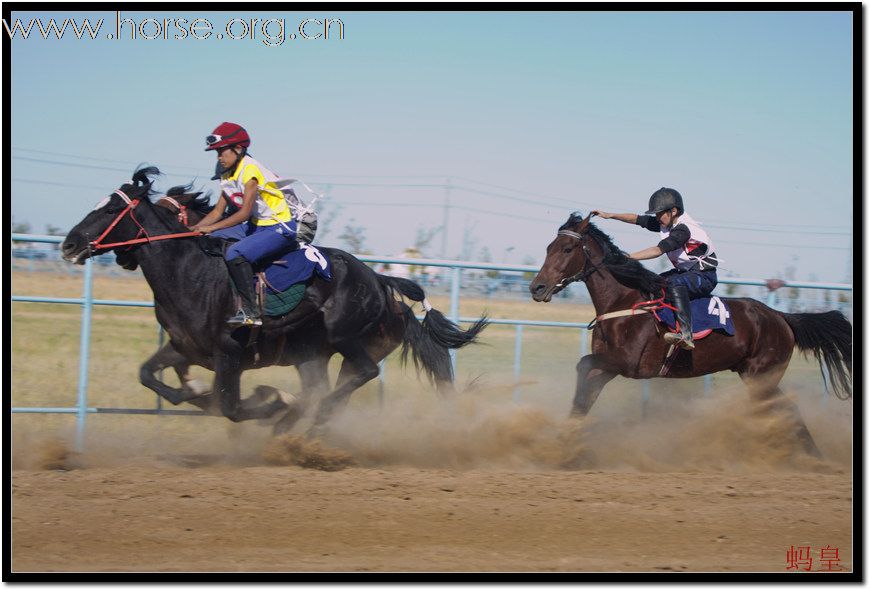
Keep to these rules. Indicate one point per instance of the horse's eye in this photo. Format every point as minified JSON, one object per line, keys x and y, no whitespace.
{"x":568,"y":249}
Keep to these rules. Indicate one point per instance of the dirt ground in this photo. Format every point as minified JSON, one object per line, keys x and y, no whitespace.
{"x":473,"y":487}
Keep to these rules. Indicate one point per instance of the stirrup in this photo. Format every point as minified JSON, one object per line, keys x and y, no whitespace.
{"x":243,"y":319}
{"x":677,"y":338}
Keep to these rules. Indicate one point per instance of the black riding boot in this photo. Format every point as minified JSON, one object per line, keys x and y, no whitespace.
{"x":679,"y":296}
{"x":242,"y":275}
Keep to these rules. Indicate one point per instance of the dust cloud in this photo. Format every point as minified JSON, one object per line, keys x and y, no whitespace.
{"x":723,"y":431}
{"x":480,"y":429}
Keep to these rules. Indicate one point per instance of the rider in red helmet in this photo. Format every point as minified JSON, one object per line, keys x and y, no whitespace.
{"x":689,"y":249}
{"x":261,"y":219}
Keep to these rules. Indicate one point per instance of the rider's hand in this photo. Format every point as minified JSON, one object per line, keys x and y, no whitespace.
{"x":602,"y":214}
{"x":204,"y":229}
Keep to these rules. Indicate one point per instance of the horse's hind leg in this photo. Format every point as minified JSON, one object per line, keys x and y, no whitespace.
{"x":592,"y":376}
{"x":357,"y":369}
{"x":314,"y":376}
{"x":765,"y":391}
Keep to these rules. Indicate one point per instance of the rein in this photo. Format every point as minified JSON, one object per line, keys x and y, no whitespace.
{"x":650,"y":306}
{"x":131,"y":205}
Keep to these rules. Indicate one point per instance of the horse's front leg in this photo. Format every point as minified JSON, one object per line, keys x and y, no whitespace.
{"x":192,"y":390}
{"x":593,"y":373}
{"x":227,"y":385}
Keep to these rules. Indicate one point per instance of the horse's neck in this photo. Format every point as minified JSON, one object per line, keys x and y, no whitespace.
{"x":607,"y":293}
{"x":180,"y":274}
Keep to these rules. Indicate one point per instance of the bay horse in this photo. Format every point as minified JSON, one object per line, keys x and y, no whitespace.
{"x":631,"y":345}
{"x":356,"y":314}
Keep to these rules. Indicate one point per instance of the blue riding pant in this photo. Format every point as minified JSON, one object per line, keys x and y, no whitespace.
{"x":233,"y":232}
{"x":262,"y":243}
{"x":699,"y":283}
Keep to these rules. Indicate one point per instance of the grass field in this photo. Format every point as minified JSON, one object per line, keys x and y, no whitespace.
{"x":45,"y":358}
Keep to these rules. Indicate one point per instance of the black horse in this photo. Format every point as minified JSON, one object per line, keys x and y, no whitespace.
{"x":631,"y":345}
{"x":357,"y":314}
{"x":190,"y":208}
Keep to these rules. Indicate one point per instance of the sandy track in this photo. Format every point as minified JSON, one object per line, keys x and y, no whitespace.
{"x":473,"y":487}
{"x":279,"y":518}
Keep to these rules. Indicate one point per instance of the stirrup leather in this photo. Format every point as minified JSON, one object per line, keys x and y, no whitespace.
{"x":243,"y":319}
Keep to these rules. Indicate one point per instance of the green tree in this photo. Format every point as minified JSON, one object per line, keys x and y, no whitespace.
{"x":486,"y":256}
{"x":529,"y":261}
{"x":424,"y":237}
{"x":20,"y":227}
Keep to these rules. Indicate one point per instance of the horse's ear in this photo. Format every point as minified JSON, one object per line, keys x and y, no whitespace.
{"x":584,"y":224}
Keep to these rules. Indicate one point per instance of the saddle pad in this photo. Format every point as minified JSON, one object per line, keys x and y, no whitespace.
{"x":296,"y":267}
{"x":708,"y":313}
{"x":278,"y":304}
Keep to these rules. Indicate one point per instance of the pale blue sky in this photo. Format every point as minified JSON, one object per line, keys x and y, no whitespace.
{"x":748,"y":115}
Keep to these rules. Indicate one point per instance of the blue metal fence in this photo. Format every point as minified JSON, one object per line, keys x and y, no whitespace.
{"x":87,"y":302}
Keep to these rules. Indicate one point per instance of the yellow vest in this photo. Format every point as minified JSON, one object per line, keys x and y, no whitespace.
{"x":271,"y":207}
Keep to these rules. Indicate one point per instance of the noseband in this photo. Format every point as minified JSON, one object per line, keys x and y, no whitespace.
{"x":585,"y":272}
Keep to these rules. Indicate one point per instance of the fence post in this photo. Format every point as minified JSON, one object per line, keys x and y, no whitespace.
{"x":381,"y":366}
{"x":644,"y":398}
{"x":518,"y":352}
{"x":84,"y":355}
{"x":160,"y":335}
{"x":456,"y":277}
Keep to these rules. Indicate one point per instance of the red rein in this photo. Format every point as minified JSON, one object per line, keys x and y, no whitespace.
{"x":131,"y":204}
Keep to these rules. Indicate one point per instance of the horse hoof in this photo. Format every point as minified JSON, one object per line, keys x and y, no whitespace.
{"x":198,"y":386}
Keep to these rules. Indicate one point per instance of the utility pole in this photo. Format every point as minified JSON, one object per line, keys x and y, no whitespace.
{"x":445,"y":219}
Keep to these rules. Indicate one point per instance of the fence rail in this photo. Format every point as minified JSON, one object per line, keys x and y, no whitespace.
{"x":87,"y":301}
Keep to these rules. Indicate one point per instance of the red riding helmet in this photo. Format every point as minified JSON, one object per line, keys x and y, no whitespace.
{"x":227,"y":134}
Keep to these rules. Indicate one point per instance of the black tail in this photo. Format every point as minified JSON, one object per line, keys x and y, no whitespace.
{"x":429,"y":342}
{"x":829,"y":337}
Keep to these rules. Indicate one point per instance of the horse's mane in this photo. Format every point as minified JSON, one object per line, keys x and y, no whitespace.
{"x":143,"y":177}
{"x":627,"y":271}
{"x":200,"y":201}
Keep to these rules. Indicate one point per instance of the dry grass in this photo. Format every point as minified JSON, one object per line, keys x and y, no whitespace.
{"x":45,"y":355}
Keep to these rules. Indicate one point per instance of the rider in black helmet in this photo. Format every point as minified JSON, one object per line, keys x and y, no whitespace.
{"x":689,"y":249}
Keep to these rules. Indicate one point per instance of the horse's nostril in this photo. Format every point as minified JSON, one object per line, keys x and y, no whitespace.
{"x":537,"y":288}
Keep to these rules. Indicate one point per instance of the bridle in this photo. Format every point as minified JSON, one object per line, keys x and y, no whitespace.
{"x":131,"y":205}
{"x":584,"y":272}
{"x":182,"y":209}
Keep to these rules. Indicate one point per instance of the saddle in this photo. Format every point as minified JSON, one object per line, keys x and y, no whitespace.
{"x":708,"y":314}
{"x":280,"y":285}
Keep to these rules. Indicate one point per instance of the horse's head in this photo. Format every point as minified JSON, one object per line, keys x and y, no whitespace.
{"x":189,"y":208}
{"x":567,"y":259}
{"x":111,"y":221}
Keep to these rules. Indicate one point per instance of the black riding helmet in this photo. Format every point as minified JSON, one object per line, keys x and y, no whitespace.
{"x":663,"y":200}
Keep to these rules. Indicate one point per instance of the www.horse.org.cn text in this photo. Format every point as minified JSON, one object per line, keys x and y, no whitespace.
{"x":271,"y":32}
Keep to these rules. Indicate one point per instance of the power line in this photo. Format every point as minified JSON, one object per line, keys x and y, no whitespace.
{"x":530,"y":199}
{"x":89,"y":166}
{"x":63,"y":184}
{"x":93,"y":158}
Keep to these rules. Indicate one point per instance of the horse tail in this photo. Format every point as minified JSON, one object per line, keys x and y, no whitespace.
{"x":430,"y":341}
{"x":829,"y":337}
